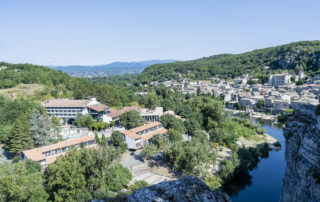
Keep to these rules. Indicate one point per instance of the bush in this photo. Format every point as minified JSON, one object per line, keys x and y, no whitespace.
{"x":117,"y":138}
{"x":138,"y":185}
{"x":277,"y":144}
{"x":149,"y":150}
{"x":228,"y":166}
{"x":174,"y":136}
{"x":118,"y":177}
{"x":260,"y":131}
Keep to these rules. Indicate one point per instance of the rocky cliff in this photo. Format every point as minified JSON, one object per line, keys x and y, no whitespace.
{"x":185,"y":189}
{"x":302,"y":177}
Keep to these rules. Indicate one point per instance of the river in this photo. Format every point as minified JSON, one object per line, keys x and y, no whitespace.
{"x":263,"y":183}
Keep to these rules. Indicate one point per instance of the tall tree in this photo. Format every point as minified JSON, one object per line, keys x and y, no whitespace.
{"x":20,"y":138}
{"x":66,"y":177}
{"x":117,"y":138}
{"x":21,"y":182}
{"x":40,"y":128}
{"x":103,"y":141}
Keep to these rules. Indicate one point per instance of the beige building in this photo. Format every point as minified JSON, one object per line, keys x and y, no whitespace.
{"x":137,"y":137}
{"x":48,"y":154}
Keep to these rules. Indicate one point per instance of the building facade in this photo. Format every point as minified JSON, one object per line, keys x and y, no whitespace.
{"x":151,"y":115}
{"x":278,"y":80}
{"x":68,"y":109}
{"x":137,"y":137}
{"x":48,"y":154}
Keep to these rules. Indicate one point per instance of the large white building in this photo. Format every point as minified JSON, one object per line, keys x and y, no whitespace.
{"x":278,"y":79}
{"x":151,"y":115}
{"x":68,"y":109}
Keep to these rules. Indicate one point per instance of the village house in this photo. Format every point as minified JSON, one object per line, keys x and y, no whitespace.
{"x":170,"y":112}
{"x":137,"y":137}
{"x":48,"y":154}
{"x":277,"y":80}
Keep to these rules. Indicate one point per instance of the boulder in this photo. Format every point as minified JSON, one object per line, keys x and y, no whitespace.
{"x":185,"y":189}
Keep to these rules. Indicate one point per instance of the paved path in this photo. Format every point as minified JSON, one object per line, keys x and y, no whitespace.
{"x":141,"y":170}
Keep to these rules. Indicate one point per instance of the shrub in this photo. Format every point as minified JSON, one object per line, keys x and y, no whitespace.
{"x":277,"y":144}
{"x":138,"y":185}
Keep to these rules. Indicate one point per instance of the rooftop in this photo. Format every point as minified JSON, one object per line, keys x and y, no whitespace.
{"x":92,"y":104}
{"x":116,"y":113}
{"x":133,"y":132}
{"x":66,"y":103}
{"x":36,"y":154}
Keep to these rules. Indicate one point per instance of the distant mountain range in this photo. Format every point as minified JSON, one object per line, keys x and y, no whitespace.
{"x":114,"y":68}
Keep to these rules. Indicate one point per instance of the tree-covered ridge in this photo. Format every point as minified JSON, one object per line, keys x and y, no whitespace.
{"x":59,"y":84}
{"x":303,"y":55}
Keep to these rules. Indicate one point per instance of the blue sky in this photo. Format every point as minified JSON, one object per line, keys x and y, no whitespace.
{"x":65,"y":32}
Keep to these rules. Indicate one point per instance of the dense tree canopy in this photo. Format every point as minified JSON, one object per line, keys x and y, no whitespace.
{"x":293,"y":56}
{"x":81,"y":173}
{"x":22,"y":181}
{"x":131,"y":119}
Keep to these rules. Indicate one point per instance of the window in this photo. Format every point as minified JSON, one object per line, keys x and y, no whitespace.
{"x":58,"y":151}
{"x":46,"y":154}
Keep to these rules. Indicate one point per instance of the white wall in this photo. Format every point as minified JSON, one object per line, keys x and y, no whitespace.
{"x":106,"y":118}
{"x":131,"y":143}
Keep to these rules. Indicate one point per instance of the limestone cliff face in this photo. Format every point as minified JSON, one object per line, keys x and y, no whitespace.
{"x":302,"y":133}
{"x":185,"y":189}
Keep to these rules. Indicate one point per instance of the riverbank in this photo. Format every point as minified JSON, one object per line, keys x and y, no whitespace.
{"x":262,"y":183}
{"x":252,"y":114}
{"x":256,"y":140}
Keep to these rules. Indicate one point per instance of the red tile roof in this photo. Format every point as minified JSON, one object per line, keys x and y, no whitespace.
{"x":66,"y":103}
{"x":116,"y":113}
{"x":97,"y":107}
{"x":36,"y":154}
{"x":132,"y":133}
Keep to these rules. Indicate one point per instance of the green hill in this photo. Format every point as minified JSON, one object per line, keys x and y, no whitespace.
{"x":58,"y":84}
{"x":298,"y":55}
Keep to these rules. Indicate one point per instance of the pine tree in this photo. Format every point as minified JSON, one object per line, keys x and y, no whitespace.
{"x":104,"y":141}
{"x":40,"y":129}
{"x":20,"y":138}
{"x":96,"y":137}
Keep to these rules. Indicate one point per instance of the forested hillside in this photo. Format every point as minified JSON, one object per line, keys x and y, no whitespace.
{"x":298,"y":55}
{"x":59,"y":84}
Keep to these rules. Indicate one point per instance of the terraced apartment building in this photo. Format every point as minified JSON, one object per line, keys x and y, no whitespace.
{"x":137,"y":137}
{"x":48,"y":154}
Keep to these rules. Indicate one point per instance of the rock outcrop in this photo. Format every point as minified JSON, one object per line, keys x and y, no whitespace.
{"x":185,"y":189}
{"x":302,"y":176}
